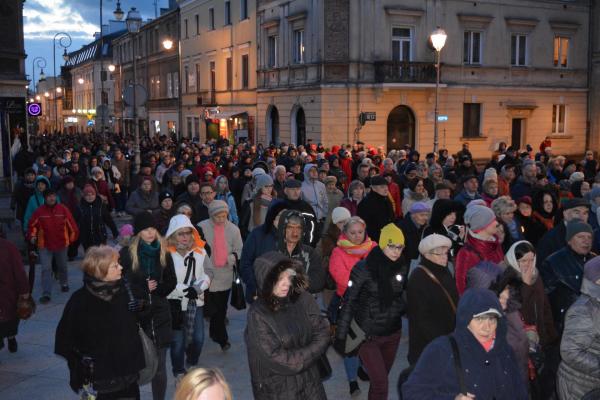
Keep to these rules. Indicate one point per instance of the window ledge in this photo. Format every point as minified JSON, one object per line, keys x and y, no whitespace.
{"x":474,"y":139}
{"x":560,"y":136}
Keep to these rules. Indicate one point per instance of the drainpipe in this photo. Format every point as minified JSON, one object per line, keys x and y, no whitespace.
{"x":588,"y":123}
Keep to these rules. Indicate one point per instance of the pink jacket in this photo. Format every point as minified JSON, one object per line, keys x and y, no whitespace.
{"x":340,"y":266}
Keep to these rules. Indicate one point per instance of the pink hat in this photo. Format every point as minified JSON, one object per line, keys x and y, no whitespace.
{"x":126,"y":230}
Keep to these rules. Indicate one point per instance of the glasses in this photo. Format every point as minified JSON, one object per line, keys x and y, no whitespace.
{"x":184,"y":233}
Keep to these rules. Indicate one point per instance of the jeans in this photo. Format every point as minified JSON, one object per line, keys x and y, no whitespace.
{"x":217,"y":329}
{"x":178,"y":348}
{"x":377,"y":355}
{"x":60,"y":257}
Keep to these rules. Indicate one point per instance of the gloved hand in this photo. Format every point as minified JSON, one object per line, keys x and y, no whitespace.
{"x":339,"y":345}
{"x":134,"y":305}
{"x":191,"y":293}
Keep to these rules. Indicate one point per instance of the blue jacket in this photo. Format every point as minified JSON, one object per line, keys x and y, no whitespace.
{"x":36,"y":200}
{"x":258,"y":243}
{"x":228,"y":198}
{"x":464,"y":199}
{"x":488,"y":375}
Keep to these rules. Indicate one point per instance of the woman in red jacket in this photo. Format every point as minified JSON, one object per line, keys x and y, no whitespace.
{"x":352,"y":246}
{"x":482,"y":243}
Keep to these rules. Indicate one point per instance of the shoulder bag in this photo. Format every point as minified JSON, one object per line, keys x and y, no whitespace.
{"x":238,"y":300}
{"x":25,"y":307}
{"x":434,"y":279}
{"x":150,"y":358}
{"x":458,"y":365}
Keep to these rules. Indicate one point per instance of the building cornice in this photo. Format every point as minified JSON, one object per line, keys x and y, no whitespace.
{"x":271,"y":23}
{"x":408,"y":12}
{"x":297,"y":16}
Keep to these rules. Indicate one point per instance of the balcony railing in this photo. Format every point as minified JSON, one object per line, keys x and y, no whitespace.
{"x":404,"y":72}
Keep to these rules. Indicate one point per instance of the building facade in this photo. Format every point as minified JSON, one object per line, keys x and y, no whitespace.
{"x":13,"y":83}
{"x":156,"y":73}
{"x":91,"y":85}
{"x":218,"y":50}
{"x":49,"y":93}
{"x":513,"y":71}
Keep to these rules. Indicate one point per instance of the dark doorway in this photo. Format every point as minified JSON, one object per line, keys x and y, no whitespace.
{"x":273,"y":126}
{"x":517,"y":133}
{"x":400,"y":128}
{"x":300,"y":127}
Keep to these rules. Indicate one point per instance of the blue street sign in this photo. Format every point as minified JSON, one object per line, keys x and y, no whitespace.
{"x":442,"y":118}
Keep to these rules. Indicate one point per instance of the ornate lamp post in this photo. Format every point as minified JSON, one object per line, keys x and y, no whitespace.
{"x":438,"y":39}
{"x":61,"y":36}
{"x":40,"y":62}
{"x":134,"y":23}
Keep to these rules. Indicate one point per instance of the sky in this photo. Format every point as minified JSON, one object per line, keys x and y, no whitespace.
{"x":43,"y":19}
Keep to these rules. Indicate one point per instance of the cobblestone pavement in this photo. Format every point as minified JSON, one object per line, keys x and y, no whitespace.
{"x":35,"y":372}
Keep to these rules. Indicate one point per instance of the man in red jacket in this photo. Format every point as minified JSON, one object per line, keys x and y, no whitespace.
{"x":52,"y":228}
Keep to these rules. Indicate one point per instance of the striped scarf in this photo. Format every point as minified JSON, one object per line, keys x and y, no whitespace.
{"x":356,"y":250}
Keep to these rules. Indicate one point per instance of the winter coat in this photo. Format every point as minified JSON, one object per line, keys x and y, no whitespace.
{"x":155,"y":317}
{"x":141,"y":201}
{"x":35,"y":201}
{"x":340,"y":265}
{"x":351,"y":205}
{"x":488,"y":375}
{"x":103,"y":190}
{"x":162,"y":218}
{"x":21,"y":195}
{"x":430,"y":313}
{"x":562,"y":273}
{"x":93,"y":218}
{"x":333,"y":201}
{"x":308,"y":256}
{"x":223,"y":275}
{"x":410,"y":198}
{"x":259,"y":242}
{"x":377,"y":211}
{"x":536,"y":310}
{"x":578,"y":372}
{"x":553,"y":240}
{"x":363,"y":302}
{"x":13,"y":280}
{"x":474,"y":251}
{"x":396,"y":199}
{"x":412,"y":237}
{"x":284,"y":342}
{"x":315,"y":193}
{"x":104,"y":330}
{"x":53,"y":227}
{"x":464,"y":198}
{"x":123,"y":166}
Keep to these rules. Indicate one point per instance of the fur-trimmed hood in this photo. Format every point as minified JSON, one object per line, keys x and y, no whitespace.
{"x":267,"y":269}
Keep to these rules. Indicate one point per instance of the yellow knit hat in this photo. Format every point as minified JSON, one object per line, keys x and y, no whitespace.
{"x":391,"y":234}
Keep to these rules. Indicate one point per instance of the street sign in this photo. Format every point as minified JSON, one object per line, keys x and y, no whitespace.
{"x":442,"y":118}
{"x":90,"y":122}
{"x":34,"y":109}
{"x":370,"y":116}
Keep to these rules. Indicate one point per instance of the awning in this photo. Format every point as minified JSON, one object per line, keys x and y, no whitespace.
{"x":224,"y":114}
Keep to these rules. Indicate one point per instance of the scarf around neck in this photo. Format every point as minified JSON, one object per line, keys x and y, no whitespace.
{"x":359,"y":251}
{"x":149,"y":253}
{"x":101,"y":289}
{"x":219,"y":246}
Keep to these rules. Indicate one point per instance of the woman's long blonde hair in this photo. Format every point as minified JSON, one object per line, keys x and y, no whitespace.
{"x":133,"y":251}
{"x":198,"y":380}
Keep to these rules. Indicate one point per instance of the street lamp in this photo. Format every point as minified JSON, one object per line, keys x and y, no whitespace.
{"x":111,"y":68}
{"x":67,"y":38}
{"x":134,"y":23}
{"x":58,"y":90}
{"x":118,"y":13}
{"x":40,"y":62}
{"x":438,"y":40}
{"x":168,"y":45}
{"x":80,"y":80}
{"x":46,"y":94}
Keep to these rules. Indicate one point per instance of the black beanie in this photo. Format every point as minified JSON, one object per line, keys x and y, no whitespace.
{"x":48,"y":192}
{"x":165,"y":194}
{"x":191,"y":178}
{"x":143,"y":221}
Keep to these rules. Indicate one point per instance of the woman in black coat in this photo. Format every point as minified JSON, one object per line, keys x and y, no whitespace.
{"x":148,"y":266}
{"x":98,"y":331}
{"x":286,"y":334}
{"x":374,"y":300}
{"x":93,"y":217}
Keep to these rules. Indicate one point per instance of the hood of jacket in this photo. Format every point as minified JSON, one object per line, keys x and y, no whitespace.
{"x":475,"y":301}
{"x":267,"y":269}
{"x":307,"y":168}
{"x":284,"y":220}
{"x":181,"y":221}
{"x":441,"y":209}
{"x":38,"y":179}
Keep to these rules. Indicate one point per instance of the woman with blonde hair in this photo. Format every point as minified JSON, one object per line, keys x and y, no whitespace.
{"x":148,"y":266}
{"x":193,"y":271}
{"x":97,"y":334}
{"x":203,"y":384}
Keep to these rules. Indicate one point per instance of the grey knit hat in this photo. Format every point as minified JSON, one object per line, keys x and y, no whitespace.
{"x":479,"y":218}
{"x":576,"y":226}
{"x":262,"y":181}
{"x":217,"y":206}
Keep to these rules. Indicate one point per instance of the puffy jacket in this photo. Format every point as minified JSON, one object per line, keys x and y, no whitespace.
{"x":578,"y":372}
{"x":488,"y":375}
{"x":54,"y":227}
{"x":284,"y":342}
{"x":363,"y":302}
{"x":474,"y":251}
{"x":562,"y":273}
{"x":140,"y":201}
{"x":93,"y":218}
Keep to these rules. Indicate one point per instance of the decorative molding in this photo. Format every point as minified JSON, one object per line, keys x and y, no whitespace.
{"x":524,"y":25}
{"x":271,"y":23}
{"x":564,"y":27}
{"x":406,"y":12}
{"x":244,"y":45}
{"x":296,"y":16}
{"x":471,"y":21}
{"x":227,"y":49}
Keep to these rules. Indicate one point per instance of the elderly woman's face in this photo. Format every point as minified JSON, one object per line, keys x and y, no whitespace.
{"x":114,"y":272}
{"x":356,"y":233}
{"x":220,"y":218}
{"x":484,"y":327}
{"x":283,"y":285}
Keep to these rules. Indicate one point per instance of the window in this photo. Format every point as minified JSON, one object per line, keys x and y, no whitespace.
{"x":229,"y":63}
{"x":176,"y":84}
{"x":561,"y":51}
{"x":472,"y":47}
{"x":243,"y":9}
{"x":190,"y":124}
{"x":298,"y":46}
{"x":401,"y":43}
{"x":198,"y":89}
{"x":213,"y":77}
{"x":227,"y":13}
{"x":245,"y":70}
{"x":197,"y":18}
{"x":518,"y":50}
{"x":272,"y":51}
{"x":211,"y":19}
{"x":558,"y":118}
{"x":186,"y":76}
{"x":169,"y":85}
{"x":185,"y":29}
{"x":191,"y":79}
{"x":471,"y":119}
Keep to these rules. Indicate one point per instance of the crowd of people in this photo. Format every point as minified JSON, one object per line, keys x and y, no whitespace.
{"x":492,"y":264}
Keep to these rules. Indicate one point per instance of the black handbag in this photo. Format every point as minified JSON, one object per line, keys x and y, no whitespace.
{"x":238,"y":300}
